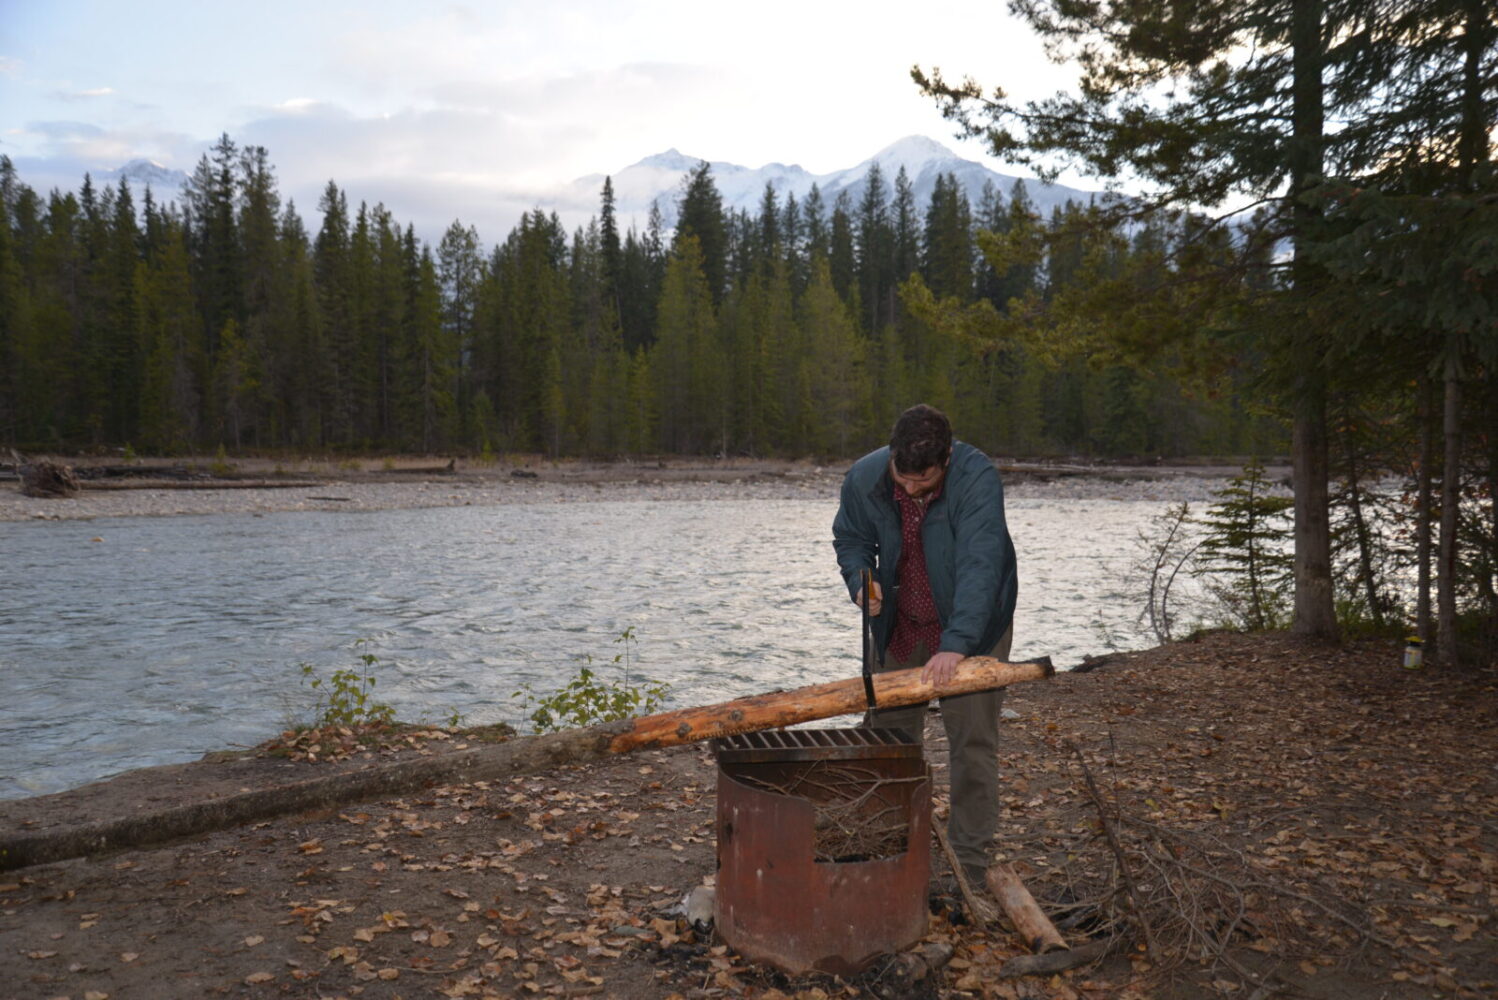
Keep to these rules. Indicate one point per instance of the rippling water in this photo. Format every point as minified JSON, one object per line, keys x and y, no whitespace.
{"x":175,"y":636}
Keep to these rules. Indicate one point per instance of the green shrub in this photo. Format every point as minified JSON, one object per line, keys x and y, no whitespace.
{"x":347,"y":699}
{"x":1245,"y":552}
{"x":587,"y":699}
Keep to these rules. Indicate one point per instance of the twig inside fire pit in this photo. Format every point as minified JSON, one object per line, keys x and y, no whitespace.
{"x":859,"y":816}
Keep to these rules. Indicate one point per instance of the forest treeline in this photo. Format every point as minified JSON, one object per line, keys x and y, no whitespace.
{"x":214,"y":317}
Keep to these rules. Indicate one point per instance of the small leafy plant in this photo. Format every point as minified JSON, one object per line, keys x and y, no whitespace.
{"x":347,"y":699}
{"x":221,"y":466}
{"x":587,"y":699}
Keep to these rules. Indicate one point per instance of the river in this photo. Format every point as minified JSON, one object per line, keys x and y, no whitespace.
{"x":129,"y":642}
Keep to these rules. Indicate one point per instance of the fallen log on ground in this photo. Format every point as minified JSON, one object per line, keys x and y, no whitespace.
{"x":1058,"y":961}
{"x":1023,"y":912}
{"x":504,"y":760}
{"x":201,"y":484}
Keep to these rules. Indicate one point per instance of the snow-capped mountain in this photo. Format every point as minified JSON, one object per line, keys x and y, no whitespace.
{"x":658,"y":179}
{"x":165,"y":183}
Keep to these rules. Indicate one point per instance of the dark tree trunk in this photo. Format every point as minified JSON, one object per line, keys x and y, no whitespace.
{"x":1366,"y":575}
{"x":1425,"y":508}
{"x":1315,"y":613}
{"x":1451,"y":500}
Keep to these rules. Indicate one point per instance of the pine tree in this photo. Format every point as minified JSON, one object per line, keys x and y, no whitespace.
{"x":842,"y":258}
{"x":686,"y":362}
{"x":834,"y":361}
{"x":15,"y":313}
{"x":213,"y":239}
{"x":875,"y":252}
{"x":699,"y":215}
{"x":460,"y":273}
{"x":907,"y":233}
{"x":947,"y":241}
{"x":334,"y":280}
{"x":171,"y":403}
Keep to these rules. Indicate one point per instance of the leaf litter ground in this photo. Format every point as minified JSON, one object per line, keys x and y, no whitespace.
{"x":1246,"y":816}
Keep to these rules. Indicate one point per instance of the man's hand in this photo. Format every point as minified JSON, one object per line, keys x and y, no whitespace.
{"x":941,"y":668}
{"x":876,"y":604}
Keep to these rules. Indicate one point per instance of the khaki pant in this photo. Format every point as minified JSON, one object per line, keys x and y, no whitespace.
{"x":972,"y":725}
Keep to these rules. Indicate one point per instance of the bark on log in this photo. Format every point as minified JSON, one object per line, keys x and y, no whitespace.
{"x":1024,"y":913}
{"x":202,"y":484}
{"x":502,"y":761}
{"x":785,"y":708}
{"x":1057,"y":961}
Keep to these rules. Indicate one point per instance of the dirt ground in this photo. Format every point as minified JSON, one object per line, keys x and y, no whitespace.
{"x":1245,"y":816}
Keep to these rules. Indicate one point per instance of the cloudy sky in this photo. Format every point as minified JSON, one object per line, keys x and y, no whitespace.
{"x":476,"y":110}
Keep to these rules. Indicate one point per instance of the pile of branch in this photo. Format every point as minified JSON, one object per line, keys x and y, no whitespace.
{"x":48,"y":480}
{"x":858,"y":816}
{"x":1190,"y":897}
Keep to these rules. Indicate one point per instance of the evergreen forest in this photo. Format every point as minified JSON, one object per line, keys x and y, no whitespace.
{"x":217,"y":317}
{"x":1306,"y":264}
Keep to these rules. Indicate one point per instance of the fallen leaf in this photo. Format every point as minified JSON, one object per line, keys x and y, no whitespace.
{"x":256,"y":978}
{"x":253,"y":940}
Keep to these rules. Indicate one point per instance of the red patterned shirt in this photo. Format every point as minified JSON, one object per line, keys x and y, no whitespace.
{"x":916,"y":619}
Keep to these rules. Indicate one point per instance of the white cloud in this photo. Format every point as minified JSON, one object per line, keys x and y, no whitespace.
{"x":83,"y":95}
{"x":300,"y":106}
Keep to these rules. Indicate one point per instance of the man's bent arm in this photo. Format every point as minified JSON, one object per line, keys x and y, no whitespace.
{"x":983,"y":563}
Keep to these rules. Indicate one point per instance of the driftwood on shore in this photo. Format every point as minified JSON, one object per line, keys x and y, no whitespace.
{"x":48,"y":480}
{"x":202,"y":484}
{"x":503,"y":761}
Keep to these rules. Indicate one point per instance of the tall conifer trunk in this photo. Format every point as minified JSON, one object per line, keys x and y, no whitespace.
{"x":1451,"y":499}
{"x":1314,"y":611}
{"x":1424,"y":507}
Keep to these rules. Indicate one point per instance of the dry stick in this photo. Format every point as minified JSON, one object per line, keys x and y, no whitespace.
{"x":1118,"y":855}
{"x":977,"y":909}
{"x":1058,"y":961}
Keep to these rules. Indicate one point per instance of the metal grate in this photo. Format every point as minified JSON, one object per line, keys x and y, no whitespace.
{"x":814,"y":744}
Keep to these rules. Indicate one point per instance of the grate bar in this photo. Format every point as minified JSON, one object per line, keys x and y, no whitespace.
{"x":814,"y":744}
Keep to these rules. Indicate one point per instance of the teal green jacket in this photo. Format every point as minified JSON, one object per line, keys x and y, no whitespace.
{"x":969,"y":557}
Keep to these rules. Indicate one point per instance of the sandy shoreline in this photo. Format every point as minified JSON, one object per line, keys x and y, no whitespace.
{"x":397,"y":488}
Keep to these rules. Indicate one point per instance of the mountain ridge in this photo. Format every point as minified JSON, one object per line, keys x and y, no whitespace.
{"x":657,"y":178}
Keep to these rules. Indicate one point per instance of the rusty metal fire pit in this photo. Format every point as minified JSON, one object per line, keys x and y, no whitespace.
{"x":824,"y":846}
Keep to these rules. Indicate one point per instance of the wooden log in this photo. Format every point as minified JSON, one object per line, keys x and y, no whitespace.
{"x":979,"y":911}
{"x":1024,"y":913}
{"x":1058,"y":961}
{"x":499,"y":762}
{"x":202,"y":484}
{"x":822,"y":701}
